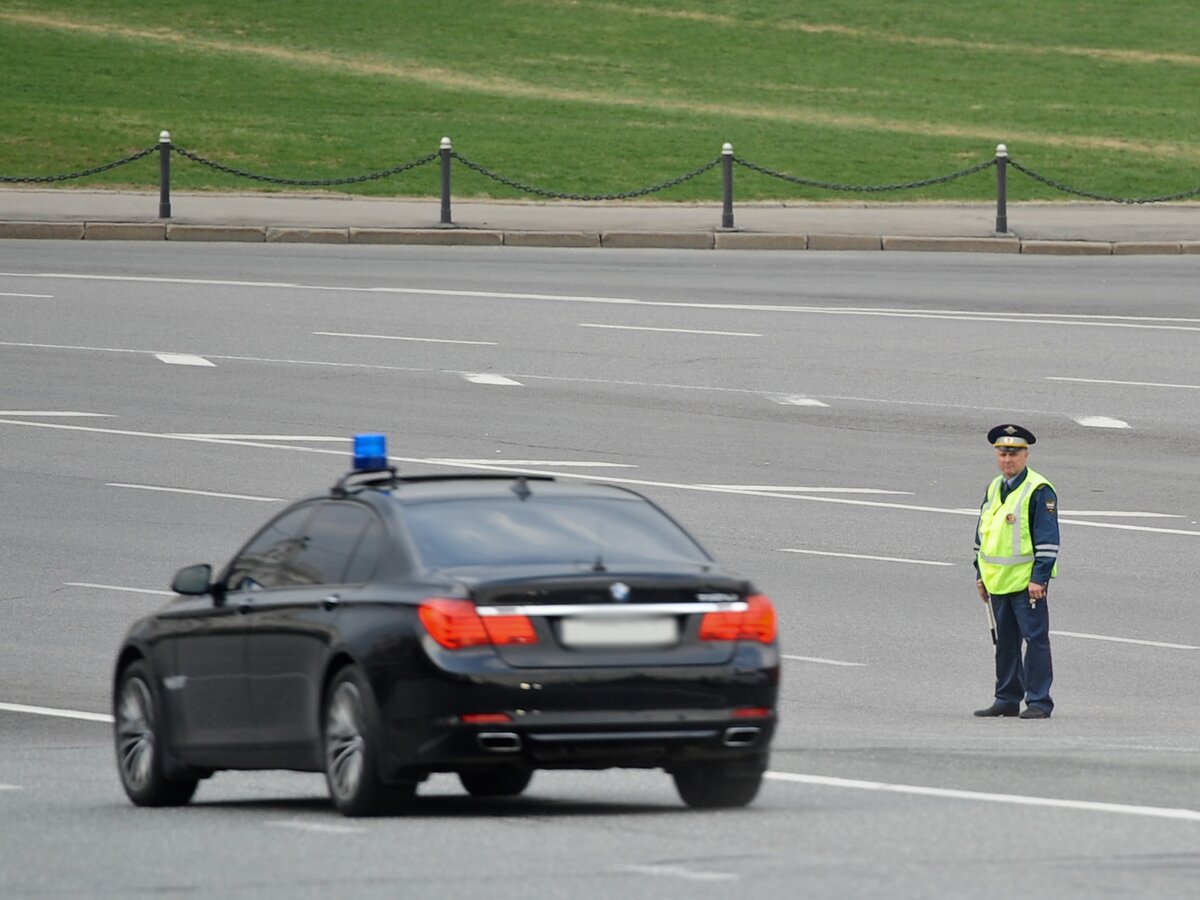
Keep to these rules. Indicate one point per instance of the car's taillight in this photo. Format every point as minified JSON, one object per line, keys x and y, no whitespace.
{"x":455,"y":624}
{"x":755,"y":623}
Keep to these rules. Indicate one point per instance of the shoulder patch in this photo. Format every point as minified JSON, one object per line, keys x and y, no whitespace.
{"x":1051,"y":504}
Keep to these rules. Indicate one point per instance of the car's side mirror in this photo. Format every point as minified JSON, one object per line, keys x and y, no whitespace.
{"x":193,"y":580}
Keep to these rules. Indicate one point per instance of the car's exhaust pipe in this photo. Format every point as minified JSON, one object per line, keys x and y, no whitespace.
{"x":499,"y":741}
{"x":741,"y":736}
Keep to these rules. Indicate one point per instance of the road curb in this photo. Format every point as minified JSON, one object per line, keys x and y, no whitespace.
{"x":663,"y":240}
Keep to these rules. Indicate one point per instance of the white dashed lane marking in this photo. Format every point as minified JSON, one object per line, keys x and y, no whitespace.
{"x":553,"y":463}
{"x":397,"y":337}
{"x":56,"y":713}
{"x":794,"y":400}
{"x":53,"y":414}
{"x":1120,"y":640}
{"x":670,"y":330}
{"x":484,"y":378}
{"x":823,"y":661}
{"x":1188,"y":387}
{"x":316,"y":827}
{"x":1101,"y":422}
{"x":168,"y":490}
{"x":183,"y":359}
{"x":119,"y":588}
{"x":896,"y":559}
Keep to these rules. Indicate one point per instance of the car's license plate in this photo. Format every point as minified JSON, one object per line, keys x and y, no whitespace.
{"x":609,"y":631}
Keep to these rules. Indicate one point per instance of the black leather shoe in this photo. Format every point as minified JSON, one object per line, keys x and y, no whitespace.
{"x":994,"y":711}
{"x":1034,"y":712}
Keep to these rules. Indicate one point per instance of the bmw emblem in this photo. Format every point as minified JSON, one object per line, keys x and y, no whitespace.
{"x":619,"y":591}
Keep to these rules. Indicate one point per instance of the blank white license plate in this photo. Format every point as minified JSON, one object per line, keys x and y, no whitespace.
{"x":620,"y":631}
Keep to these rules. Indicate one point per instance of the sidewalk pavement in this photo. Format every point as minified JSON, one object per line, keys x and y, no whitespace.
{"x":1057,"y":228}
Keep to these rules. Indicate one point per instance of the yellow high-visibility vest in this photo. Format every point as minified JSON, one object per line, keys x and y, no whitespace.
{"x":1005,"y":544}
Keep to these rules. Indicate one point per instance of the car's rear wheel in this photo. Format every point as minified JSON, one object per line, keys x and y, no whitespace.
{"x":501,"y":781}
{"x":718,"y":785}
{"x":352,"y":751}
{"x":138,"y":740}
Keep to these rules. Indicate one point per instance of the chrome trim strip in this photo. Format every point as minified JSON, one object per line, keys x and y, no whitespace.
{"x":620,"y":610}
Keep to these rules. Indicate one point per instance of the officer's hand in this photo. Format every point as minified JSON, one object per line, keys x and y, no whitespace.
{"x":983,"y":594}
{"x":1037,"y":591}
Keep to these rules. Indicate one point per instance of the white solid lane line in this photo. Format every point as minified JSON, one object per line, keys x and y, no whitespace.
{"x":1120,"y":640}
{"x":612,"y":479}
{"x":915,"y":562}
{"x":1190,"y":815}
{"x":670,"y":330}
{"x":184,"y":359}
{"x":307,"y":438}
{"x":1190,"y":387}
{"x":1077,"y":319}
{"x":396,"y":337}
{"x":823,"y":661}
{"x":1101,"y":422}
{"x":818,"y":780}
{"x":487,"y":378}
{"x":674,"y":871}
{"x":796,"y":400}
{"x":28,"y":296}
{"x":555,"y":463}
{"x":168,"y":490}
{"x":119,"y":588}
{"x":54,"y":414}
{"x":57,"y":713}
{"x":785,"y":488}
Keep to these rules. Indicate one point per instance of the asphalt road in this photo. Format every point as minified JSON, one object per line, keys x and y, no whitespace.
{"x":817,"y":419}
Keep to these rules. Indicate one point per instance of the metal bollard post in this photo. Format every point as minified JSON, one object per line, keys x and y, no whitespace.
{"x":164,"y":174}
{"x":727,"y":169}
{"x":445,"y":151}
{"x":1001,"y":189}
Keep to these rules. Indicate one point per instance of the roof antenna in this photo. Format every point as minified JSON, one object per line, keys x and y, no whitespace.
{"x":521,"y":488}
{"x":598,"y":565}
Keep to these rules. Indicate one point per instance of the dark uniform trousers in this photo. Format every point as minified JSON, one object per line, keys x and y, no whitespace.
{"x":1030,"y":680}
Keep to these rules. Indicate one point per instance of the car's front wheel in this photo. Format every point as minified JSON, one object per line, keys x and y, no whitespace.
{"x":502,"y":781}
{"x":718,"y":785}
{"x":352,"y":751}
{"x":138,"y":739}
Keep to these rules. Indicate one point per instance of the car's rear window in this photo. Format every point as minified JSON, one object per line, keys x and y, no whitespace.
{"x":546,"y":530}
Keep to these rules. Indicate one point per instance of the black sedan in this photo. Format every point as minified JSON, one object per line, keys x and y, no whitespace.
{"x":488,"y":625}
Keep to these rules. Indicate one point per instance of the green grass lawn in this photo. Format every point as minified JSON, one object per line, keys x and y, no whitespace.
{"x":602,"y":97}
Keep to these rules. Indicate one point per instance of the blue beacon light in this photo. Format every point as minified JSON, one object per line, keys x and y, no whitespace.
{"x":370,"y":452}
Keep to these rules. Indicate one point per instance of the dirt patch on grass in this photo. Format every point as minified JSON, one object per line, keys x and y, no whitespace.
{"x":507,"y":87}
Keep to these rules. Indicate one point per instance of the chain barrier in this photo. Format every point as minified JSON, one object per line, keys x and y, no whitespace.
{"x":46,"y":179}
{"x":1059,"y":186}
{"x":306,"y":182}
{"x":863,"y":188}
{"x":558,"y":195}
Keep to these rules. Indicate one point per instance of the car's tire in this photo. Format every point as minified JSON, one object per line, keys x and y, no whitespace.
{"x":717,"y":785}
{"x":351,"y":747}
{"x":501,"y":781}
{"x":137,"y":737}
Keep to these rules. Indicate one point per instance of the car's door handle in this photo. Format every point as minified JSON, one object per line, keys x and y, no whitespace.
{"x":330,"y":602}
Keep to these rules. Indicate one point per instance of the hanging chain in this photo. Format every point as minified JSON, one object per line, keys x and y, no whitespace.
{"x":306,"y":182}
{"x":46,"y":179}
{"x":559,"y":195}
{"x":1059,"y":186}
{"x":864,"y":188}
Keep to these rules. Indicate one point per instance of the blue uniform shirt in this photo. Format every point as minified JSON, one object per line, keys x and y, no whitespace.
{"x":1043,"y":527}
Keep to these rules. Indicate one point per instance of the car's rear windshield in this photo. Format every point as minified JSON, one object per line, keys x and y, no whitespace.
{"x":546,"y":530}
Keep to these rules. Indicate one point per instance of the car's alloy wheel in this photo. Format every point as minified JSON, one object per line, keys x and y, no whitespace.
{"x":137,"y":740}
{"x":717,"y":785}
{"x":352,"y":752}
{"x":502,"y":781}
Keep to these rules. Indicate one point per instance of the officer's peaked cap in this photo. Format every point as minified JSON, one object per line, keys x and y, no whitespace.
{"x":1011,"y":437}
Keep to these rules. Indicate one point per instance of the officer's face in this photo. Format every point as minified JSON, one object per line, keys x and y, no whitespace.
{"x":1011,"y":462}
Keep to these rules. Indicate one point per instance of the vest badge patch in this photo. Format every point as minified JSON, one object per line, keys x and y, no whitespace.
{"x":1010,"y":518}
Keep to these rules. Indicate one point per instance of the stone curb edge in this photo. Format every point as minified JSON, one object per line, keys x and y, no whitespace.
{"x":668,"y":240}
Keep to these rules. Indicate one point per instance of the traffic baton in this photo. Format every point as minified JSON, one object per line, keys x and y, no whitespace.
{"x":987,"y":601}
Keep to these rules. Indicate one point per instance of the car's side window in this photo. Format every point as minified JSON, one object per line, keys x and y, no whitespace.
{"x":329,"y":542}
{"x":258,"y":565}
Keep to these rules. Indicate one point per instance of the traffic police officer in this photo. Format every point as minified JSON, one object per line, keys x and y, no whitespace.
{"x":1016,"y":555}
